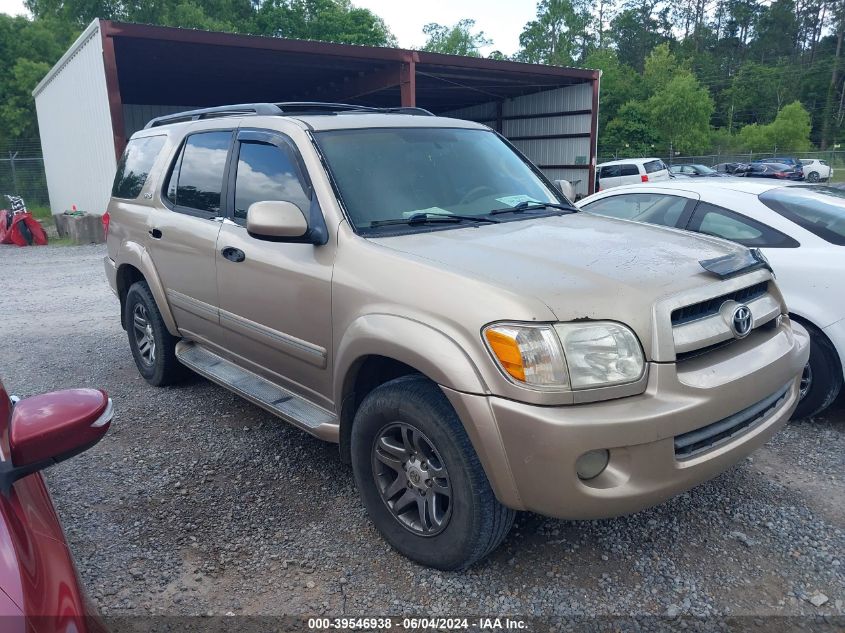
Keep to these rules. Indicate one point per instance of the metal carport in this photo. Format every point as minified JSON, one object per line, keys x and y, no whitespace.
{"x":135,"y":72}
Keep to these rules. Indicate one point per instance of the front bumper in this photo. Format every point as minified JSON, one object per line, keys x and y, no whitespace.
{"x":529,"y":452}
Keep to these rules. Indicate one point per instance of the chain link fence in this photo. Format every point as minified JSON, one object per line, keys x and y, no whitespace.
{"x":22,"y":172}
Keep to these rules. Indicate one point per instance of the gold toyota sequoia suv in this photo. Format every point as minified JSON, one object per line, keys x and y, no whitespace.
{"x":414,"y":289}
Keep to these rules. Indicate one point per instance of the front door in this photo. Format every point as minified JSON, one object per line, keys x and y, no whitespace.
{"x":275,"y":303}
{"x":183,"y":232}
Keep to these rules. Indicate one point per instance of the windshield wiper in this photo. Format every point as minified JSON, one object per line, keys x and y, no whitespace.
{"x":433,"y":218}
{"x":534,"y":206}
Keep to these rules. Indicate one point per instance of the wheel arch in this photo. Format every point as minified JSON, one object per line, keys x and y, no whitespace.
{"x":815,"y":330}
{"x":136,"y":265}
{"x":378,"y":348}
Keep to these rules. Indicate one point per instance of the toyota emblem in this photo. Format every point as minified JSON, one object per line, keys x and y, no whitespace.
{"x":741,"y":321}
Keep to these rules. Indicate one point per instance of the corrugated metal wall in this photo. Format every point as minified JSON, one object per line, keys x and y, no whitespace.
{"x":76,"y":133}
{"x":135,"y":117}
{"x":549,"y":154}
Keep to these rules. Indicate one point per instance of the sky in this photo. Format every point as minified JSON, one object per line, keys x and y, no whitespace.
{"x":501,"y":20}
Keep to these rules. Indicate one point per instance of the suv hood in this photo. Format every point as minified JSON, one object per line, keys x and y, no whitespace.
{"x":579,"y":265}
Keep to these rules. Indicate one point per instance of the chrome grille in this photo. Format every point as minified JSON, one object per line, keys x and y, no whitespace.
{"x":705,"y":326}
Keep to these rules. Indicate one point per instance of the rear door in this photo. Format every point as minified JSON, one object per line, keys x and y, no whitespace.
{"x":183,"y":230}
{"x":629,"y":174}
{"x":656,"y":170}
{"x":609,"y":176}
{"x":275,"y":303}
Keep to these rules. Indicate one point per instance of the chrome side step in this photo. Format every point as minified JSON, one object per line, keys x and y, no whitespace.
{"x":260,"y":391}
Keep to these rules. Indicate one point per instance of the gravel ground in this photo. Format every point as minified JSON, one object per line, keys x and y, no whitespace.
{"x":197,"y":502}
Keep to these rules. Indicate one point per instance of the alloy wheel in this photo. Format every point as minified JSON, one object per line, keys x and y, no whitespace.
{"x":412,"y":479}
{"x":806,"y":382}
{"x":144,"y":337}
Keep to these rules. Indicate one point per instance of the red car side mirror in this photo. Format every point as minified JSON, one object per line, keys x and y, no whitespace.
{"x":52,"y":427}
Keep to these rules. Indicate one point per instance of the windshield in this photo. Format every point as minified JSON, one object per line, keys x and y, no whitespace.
{"x":819,"y":209}
{"x":398,"y":173}
{"x":704,"y":169}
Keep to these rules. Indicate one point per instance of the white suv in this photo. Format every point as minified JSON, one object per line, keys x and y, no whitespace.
{"x":629,"y":171}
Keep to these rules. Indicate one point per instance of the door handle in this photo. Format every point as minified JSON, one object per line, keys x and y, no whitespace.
{"x":233,"y":254}
{"x":156,"y":233}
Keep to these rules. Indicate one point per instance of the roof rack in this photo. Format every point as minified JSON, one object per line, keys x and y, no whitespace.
{"x":218,"y":111}
{"x":321,"y":107}
{"x":279,"y":109}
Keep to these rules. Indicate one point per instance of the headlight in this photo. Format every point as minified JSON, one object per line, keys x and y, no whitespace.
{"x":600,"y":353}
{"x":566,"y":355}
{"x":529,"y":354}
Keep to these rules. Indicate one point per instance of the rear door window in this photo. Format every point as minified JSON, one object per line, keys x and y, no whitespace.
{"x":712,"y":220}
{"x":135,"y":166}
{"x":630,"y":170}
{"x":653,"y":208}
{"x":196,"y":178}
{"x":610,"y":171}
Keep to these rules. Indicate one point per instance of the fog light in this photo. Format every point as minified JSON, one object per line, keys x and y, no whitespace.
{"x":592,"y":463}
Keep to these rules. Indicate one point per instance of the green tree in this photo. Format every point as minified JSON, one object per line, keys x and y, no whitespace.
{"x":660,"y":67}
{"x":619,"y":83}
{"x":559,"y":35}
{"x":638,"y":29}
{"x":680,"y":112}
{"x":631,"y":132}
{"x":455,"y":40}
{"x":27,"y":51}
{"x":790,"y":131}
{"x":324,"y":20}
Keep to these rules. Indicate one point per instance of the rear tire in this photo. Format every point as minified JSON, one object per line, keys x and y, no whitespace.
{"x":822,"y":378}
{"x":453,"y":531}
{"x":153,"y":347}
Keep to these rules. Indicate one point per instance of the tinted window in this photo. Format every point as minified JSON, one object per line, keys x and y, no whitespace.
{"x":713,"y":220}
{"x":630,"y":170}
{"x":641,"y":207}
{"x":610,"y":171}
{"x":135,"y":166}
{"x":653,"y":166}
{"x":397,"y":173}
{"x":267,"y":172}
{"x":197,"y":177}
{"x":819,"y":209}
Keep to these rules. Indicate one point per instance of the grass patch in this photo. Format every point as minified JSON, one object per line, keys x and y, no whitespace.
{"x":41,"y":213}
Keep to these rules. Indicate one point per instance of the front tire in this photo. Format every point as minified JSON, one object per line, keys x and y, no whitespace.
{"x":153,"y":347}
{"x":821,"y":380}
{"x":813,"y":176}
{"x":420,"y":479}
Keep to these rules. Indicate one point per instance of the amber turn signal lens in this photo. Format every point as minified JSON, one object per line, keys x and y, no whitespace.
{"x":506,"y":349}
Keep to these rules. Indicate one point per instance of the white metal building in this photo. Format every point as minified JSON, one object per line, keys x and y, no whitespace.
{"x":118,"y":76}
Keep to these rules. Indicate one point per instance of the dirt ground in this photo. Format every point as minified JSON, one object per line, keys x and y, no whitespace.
{"x":198,"y":502}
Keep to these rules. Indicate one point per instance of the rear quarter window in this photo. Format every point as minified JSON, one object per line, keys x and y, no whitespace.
{"x":135,"y":166}
{"x":653,"y":166}
{"x":820,"y":210}
{"x":630,"y":170}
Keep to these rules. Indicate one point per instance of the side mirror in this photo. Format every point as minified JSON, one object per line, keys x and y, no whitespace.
{"x":566,"y":188}
{"x":276,"y":220}
{"x":50,"y":428}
